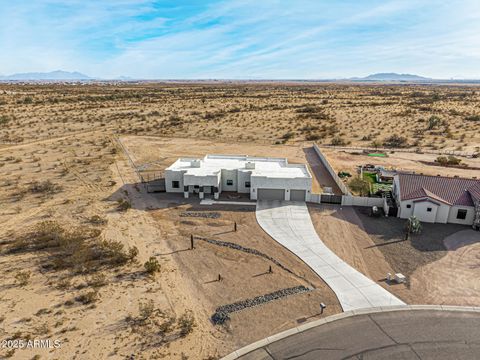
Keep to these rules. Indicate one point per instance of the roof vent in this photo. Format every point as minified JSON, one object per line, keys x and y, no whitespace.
{"x":249,"y":165}
{"x":195,"y":163}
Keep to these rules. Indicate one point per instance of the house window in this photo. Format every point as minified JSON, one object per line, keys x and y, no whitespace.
{"x":409,"y":206}
{"x":462,"y":214}
{"x":229,"y":182}
{"x":247,"y":184}
{"x":175,"y":184}
{"x":429,"y":209}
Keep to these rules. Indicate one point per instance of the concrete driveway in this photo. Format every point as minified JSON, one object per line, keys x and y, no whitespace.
{"x":289,"y":223}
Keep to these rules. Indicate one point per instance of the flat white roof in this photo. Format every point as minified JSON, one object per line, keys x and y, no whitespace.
{"x":268,"y":167}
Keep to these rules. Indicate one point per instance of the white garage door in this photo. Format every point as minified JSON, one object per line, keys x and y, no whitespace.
{"x":271,"y":194}
{"x":297,"y":195}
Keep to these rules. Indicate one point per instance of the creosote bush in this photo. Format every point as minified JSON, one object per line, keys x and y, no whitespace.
{"x":22,"y":278}
{"x":186,"y":323}
{"x":152,"y":265}
{"x":123,"y":205}
{"x":79,"y":250}
{"x":44,"y":187}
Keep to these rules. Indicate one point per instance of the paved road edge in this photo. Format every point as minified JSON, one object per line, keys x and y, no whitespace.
{"x":284,"y":334}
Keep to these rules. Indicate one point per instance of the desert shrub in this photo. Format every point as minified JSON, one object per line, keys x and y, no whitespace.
{"x":309,"y":127}
{"x":113,"y":253}
{"x":28,"y":100}
{"x":87,"y":298}
{"x":174,"y":120}
{"x":132,"y":254}
{"x":22,"y":278}
{"x":64,"y":284}
{"x":146,"y":310}
{"x":44,"y":187}
{"x":473,"y":118}
{"x":4,"y":119}
{"x":123,"y":205}
{"x":152,"y":265}
{"x":97,"y":280}
{"x":307,"y":109}
{"x":79,"y":250}
{"x":433,"y":122}
{"x":186,"y":323}
{"x":313,"y":137}
{"x":97,"y":220}
{"x":395,"y":141}
{"x":450,"y":160}
{"x":288,"y":135}
{"x":338,"y":141}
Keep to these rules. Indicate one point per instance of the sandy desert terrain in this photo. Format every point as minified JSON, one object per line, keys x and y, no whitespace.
{"x":432,"y":117}
{"x":79,"y":231}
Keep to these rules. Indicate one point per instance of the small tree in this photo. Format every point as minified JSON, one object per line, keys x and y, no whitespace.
{"x":413,"y":226}
{"x":359,"y":186}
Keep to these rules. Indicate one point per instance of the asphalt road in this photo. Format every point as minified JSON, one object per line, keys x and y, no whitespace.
{"x":408,"y":334}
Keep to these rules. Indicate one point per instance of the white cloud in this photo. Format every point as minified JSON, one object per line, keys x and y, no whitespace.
{"x":242,"y":39}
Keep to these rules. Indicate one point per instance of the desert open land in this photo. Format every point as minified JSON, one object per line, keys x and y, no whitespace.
{"x":91,"y":258}
{"x":431,"y":117}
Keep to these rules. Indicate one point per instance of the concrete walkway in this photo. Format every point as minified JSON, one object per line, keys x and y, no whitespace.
{"x":220,"y":202}
{"x":289,"y":223}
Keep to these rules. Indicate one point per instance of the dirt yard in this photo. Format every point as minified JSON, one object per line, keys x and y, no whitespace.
{"x":153,"y":155}
{"x":100,"y":309}
{"x":342,"y":160}
{"x":441,"y":264}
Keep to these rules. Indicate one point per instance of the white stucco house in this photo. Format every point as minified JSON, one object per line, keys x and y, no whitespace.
{"x":262,"y":178}
{"x":438,"y":199}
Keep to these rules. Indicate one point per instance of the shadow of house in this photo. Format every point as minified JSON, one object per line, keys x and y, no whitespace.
{"x":388,"y":236}
{"x":139,"y":198}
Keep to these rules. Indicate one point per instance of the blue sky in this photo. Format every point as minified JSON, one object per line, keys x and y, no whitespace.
{"x":249,"y":39}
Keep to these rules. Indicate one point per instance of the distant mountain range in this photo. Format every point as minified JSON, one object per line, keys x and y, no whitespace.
{"x":47,"y":76}
{"x":60,"y":75}
{"x":392,"y":77}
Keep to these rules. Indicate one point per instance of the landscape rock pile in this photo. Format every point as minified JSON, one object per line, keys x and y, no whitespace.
{"x":221,"y":314}
{"x":206,"y":215}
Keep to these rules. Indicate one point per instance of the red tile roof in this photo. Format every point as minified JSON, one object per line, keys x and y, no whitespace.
{"x":453,"y":191}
